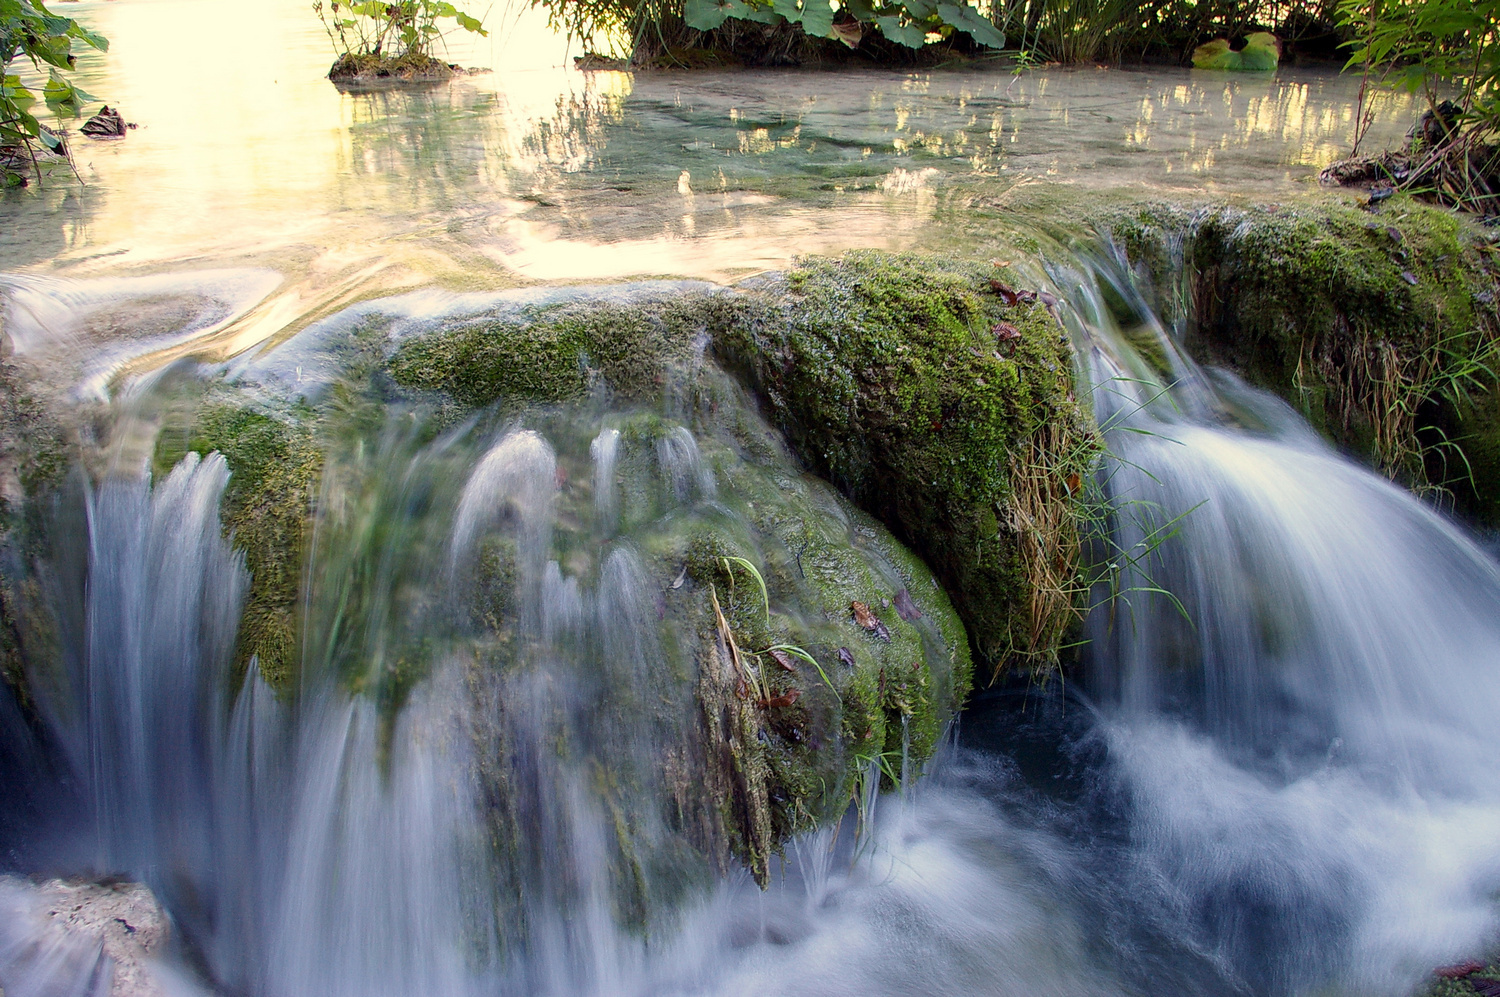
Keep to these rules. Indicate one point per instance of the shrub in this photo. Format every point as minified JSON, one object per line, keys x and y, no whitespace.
{"x":28,"y":29}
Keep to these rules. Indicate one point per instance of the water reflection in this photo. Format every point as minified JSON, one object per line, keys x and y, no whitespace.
{"x":247,"y":157}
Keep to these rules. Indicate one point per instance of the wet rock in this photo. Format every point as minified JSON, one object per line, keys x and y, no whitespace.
{"x":108,"y":123}
{"x":91,"y":938}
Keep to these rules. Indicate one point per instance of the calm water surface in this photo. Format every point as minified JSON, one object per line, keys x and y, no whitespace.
{"x":247,"y":157}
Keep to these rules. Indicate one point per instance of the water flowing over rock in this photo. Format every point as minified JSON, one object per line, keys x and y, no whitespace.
{"x":79,"y":939}
{"x":586,"y":686}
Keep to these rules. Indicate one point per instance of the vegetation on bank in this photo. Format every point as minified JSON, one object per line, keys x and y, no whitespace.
{"x":1449,"y":51}
{"x":813,"y":32}
{"x":31,"y":32}
{"x":1381,"y":327}
{"x":390,"y":41}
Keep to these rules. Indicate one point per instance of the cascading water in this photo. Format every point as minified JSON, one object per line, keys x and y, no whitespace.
{"x":1276,"y":782}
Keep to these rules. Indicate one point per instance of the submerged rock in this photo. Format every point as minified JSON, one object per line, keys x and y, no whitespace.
{"x":79,"y":937}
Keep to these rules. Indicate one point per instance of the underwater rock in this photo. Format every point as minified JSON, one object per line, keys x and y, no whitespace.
{"x":80,"y":937}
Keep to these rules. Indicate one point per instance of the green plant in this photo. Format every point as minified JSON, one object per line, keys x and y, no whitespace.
{"x":395,"y":30}
{"x":748,"y":664}
{"x":1437,"y":47}
{"x":766,"y":31}
{"x":905,"y":22}
{"x":28,"y":29}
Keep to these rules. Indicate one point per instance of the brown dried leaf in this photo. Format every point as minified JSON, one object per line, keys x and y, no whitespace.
{"x":846,"y":657}
{"x":1008,"y":296}
{"x":786,"y":699}
{"x":783,"y":659}
{"x":1004,"y":331}
{"x":906,"y":608}
{"x":867,"y":619}
{"x":850,"y":33}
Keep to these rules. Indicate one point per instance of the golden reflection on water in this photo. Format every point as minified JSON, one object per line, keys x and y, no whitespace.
{"x":246,"y":156}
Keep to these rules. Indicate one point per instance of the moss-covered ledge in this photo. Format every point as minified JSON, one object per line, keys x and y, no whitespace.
{"x":267,"y":507}
{"x":1379,"y":325}
{"x":908,"y":382}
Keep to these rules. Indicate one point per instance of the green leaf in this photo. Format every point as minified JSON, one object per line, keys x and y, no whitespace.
{"x":705,"y":15}
{"x":910,"y":35}
{"x":760,"y":13}
{"x":817,"y":18}
{"x":967,"y":19}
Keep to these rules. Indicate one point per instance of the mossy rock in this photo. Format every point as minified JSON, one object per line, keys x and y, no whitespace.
{"x":894,"y":377}
{"x":558,"y":355}
{"x":368,"y":71}
{"x":1379,"y":326}
{"x":274,"y":470}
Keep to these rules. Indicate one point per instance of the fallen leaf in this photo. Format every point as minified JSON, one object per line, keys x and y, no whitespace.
{"x":1000,"y":263}
{"x":846,"y":657}
{"x":850,"y":33}
{"x":1026,"y":297}
{"x":787,"y":699}
{"x":1409,"y":277}
{"x":1008,"y":296}
{"x":1073,"y":481}
{"x":681,"y":577}
{"x":906,"y":608}
{"x":867,"y":619}
{"x":782,"y":659}
{"x":1004,"y":331}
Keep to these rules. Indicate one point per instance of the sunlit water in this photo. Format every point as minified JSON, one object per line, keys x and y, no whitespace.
{"x":1282,"y":788}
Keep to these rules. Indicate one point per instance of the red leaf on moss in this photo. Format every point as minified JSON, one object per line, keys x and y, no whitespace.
{"x":867,"y":619}
{"x":787,"y":699}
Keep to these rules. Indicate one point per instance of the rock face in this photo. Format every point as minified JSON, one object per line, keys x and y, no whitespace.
{"x":86,"y":938}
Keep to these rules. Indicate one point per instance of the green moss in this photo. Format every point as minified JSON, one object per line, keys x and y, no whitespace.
{"x":274,"y":469}
{"x":1379,"y":326}
{"x":562,"y":352}
{"x":886,"y":375}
